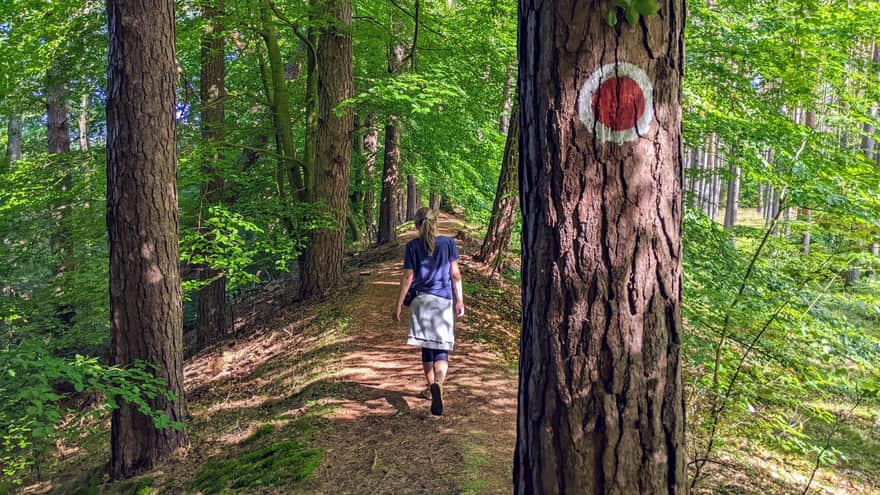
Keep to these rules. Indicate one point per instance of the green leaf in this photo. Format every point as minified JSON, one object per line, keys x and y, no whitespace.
{"x":632,"y":15}
{"x":647,"y":7}
{"x":612,"y":17}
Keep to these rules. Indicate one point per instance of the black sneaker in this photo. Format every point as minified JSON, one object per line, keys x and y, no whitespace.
{"x":436,"y":399}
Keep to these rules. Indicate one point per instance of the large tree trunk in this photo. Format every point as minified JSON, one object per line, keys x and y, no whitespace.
{"x":13,"y":138}
{"x":322,"y":261}
{"x":390,"y":171}
{"x":503,"y":218}
{"x":601,"y":406}
{"x":370,"y":147}
{"x":145,"y":296}
{"x":213,"y":313}
{"x":412,"y":201}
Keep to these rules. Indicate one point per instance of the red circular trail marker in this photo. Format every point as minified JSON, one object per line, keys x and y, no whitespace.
{"x":617,"y":103}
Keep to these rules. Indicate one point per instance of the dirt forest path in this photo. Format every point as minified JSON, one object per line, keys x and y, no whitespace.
{"x":384,"y":439}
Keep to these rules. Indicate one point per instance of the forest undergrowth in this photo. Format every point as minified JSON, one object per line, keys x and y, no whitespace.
{"x":269,"y":404}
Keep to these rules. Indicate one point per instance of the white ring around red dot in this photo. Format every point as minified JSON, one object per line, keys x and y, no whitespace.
{"x":585,"y":102}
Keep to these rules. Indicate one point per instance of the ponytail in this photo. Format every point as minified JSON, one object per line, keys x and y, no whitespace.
{"x":426,"y":222}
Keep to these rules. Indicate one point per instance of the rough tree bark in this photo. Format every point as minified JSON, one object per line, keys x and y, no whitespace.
{"x":370,"y":148}
{"x":503,"y":217}
{"x":601,"y":407}
{"x":213,"y":312}
{"x":390,"y":171}
{"x":321,"y":263}
{"x":145,"y":296}
{"x":412,"y":202}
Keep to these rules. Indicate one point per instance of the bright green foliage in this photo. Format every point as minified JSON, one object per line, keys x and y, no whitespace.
{"x":766,"y":364}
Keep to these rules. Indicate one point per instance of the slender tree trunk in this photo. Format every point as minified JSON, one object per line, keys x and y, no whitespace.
{"x":83,"y":122}
{"x":388,"y":207}
{"x":412,"y":202}
{"x":716,"y":183}
{"x":761,"y":192}
{"x":58,"y":144}
{"x":435,"y":200}
{"x":390,"y":172}
{"x":806,"y":238}
{"x":145,"y":297}
{"x":13,"y":139}
{"x":504,"y":120}
{"x":57,"y":115}
{"x":400,"y":211}
{"x":732,"y":206}
{"x":370,"y":148}
{"x":213,"y":311}
{"x":503,"y":217}
{"x":312,"y":107}
{"x":321,"y":263}
{"x":601,"y":405}
{"x":280,"y":100}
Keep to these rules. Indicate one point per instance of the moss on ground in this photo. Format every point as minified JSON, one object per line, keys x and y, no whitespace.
{"x":287,"y":463}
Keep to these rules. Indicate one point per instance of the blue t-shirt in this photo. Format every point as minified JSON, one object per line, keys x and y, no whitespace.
{"x":431,"y":273}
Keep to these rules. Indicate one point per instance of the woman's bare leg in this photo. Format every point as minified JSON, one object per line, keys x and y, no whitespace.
{"x":429,"y":372}
{"x":439,"y":371}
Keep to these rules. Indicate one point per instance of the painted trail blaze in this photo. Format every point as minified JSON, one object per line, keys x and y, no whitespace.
{"x":617,"y":103}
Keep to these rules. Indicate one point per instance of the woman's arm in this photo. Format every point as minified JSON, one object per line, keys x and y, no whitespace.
{"x":405,"y":281}
{"x":455,"y":273}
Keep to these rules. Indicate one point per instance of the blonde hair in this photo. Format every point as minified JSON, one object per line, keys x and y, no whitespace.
{"x":426,"y":222}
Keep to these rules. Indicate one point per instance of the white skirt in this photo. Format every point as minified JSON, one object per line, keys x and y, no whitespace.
{"x":432,"y":322}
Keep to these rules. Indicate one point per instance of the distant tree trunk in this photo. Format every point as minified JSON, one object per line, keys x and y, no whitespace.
{"x":503,"y":217}
{"x":869,"y":130}
{"x":435,"y":200}
{"x":601,"y":404}
{"x":412,"y":201}
{"x":286,"y":169}
{"x":213,"y":311}
{"x":699,"y":178}
{"x":761,"y":193}
{"x":58,"y":143}
{"x":390,"y":172}
{"x":806,"y":237}
{"x":388,"y":200}
{"x":504,"y":120}
{"x":145,"y":297}
{"x":57,"y":115}
{"x":13,"y":139}
{"x":732,"y":206}
{"x":716,"y":183}
{"x":370,"y":147}
{"x":312,"y":104}
{"x":321,"y":264}
{"x":83,"y":122}
{"x":400,"y":211}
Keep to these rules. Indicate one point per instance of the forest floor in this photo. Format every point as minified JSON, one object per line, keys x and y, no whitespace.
{"x":323,"y":398}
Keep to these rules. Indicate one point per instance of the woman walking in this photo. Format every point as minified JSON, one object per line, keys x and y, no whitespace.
{"x":430,"y":283}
